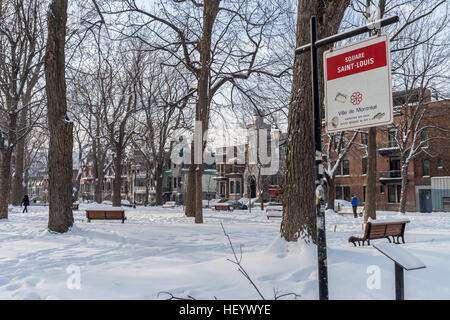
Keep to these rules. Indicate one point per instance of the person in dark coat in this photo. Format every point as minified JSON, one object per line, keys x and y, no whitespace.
{"x":355,"y":205}
{"x":26,"y":203}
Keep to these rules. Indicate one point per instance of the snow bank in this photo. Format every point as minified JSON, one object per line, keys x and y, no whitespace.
{"x":162,"y":250}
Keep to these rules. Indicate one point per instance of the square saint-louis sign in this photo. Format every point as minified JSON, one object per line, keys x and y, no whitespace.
{"x":358,"y":91}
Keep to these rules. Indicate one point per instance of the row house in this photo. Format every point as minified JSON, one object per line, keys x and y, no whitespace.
{"x":177,"y":180}
{"x":240,"y":171}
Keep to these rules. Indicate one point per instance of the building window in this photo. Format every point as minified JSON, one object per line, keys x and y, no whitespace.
{"x":174,"y":182}
{"x":364,"y":193}
{"x":382,"y":189}
{"x":424,"y":136}
{"x":338,"y":139}
{"x":344,"y":168}
{"x":394,"y":167}
{"x":364,"y":165}
{"x":238,"y":187}
{"x":343,"y":193}
{"x":364,"y":138}
{"x":231,"y":187}
{"x":392,"y":133}
{"x":222,"y":189}
{"x":394,"y":193}
{"x":426,"y":168}
{"x":440,"y":164}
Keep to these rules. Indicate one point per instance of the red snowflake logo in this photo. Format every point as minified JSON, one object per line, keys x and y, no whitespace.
{"x":356,"y":98}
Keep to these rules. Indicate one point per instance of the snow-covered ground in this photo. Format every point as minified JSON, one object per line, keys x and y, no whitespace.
{"x":160,"y":250}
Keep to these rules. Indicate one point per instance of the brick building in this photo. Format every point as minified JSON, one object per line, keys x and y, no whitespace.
{"x":428,"y":187}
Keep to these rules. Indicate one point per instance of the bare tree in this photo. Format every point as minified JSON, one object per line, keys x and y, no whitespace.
{"x":162,"y":94}
{"x":59,"y":123}
{"x":219,"y":45}
{"x":336,"y":147}
{"x":419,"y":124}
{"x":299,"y":219}
{"x":422,"y":24}
{"x":20,"y":64}
{"x":117,"y":80}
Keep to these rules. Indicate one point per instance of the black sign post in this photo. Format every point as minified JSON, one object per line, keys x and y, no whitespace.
{"x":320,"y":202}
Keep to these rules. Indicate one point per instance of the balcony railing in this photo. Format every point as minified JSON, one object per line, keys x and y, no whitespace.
{"x":387,"y":147}
{"x":390,"y":174}
{"x":140,"y":189}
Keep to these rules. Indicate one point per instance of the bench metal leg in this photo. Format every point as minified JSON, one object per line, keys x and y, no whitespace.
{"x":389,"y":239}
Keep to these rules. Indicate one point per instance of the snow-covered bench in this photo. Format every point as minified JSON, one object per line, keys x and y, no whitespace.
{"x":274,"y":212}
{"x":106,"y":214}
{"x":169,"y":204}
{"x":382,"y":229}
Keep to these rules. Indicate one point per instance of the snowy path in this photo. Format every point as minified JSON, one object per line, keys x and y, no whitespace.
{"x":161,"y":250}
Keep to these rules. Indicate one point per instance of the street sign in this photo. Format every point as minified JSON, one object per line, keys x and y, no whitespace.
{"x":358,"y":90}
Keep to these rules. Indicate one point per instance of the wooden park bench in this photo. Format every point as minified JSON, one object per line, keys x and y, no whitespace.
{"x":75,"y":206}
{"x":107,"y":214}
{"x":274,"y":213}
{"x":223,"y":207}
{"x":382,"y":229}
{"x":169,"y":204}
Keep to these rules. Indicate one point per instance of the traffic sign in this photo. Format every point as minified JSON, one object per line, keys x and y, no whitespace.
{"x":358,"y":91}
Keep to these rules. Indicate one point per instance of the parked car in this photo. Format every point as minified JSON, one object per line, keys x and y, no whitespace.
{"x":126,"y":203}
{"x":237,"y":205}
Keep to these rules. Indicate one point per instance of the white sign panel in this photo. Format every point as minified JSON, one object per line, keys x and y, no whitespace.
{"x":358,"y":90}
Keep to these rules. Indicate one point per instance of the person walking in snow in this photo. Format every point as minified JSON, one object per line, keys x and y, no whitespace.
{"x":354,"y":205}
{"x":26,"y":203}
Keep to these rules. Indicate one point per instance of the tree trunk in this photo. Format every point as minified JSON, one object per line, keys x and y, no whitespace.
{"x":190,"y":190}
{"x":117,"y":182}
{"x":26,"y":177}
{"x":331,"y":192}
{"x":210,"y":11}
{"x":371,"y":182}
{"x":198,"y":194}
{"x":299,"y":217}
{"x":147,"y":190}
{"x":261,"y":190}
{"x":5,"y":182}
{"x":404,"y":192}
{"x":60,"y":127}
{"x":18,"y":185}
{"x":159,"y":185}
